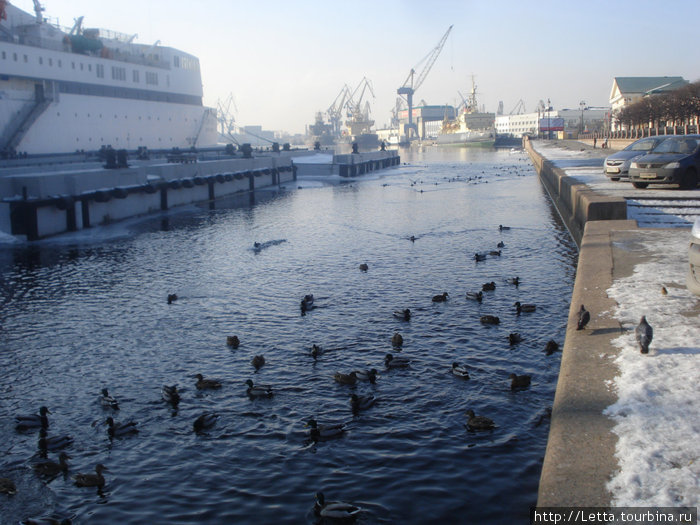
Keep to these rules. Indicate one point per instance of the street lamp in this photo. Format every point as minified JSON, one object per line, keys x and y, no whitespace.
{"x":549,"y":122}
{"x":582,"y":104}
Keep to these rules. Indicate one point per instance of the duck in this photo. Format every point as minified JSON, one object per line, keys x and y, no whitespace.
{"x":514,"y":338}
{"x":345,"y":379}
{"x":460,"y":370}
{"x":366,"y":375}
{"x":258,"y":390}
{"x":364,"y":267}
{"x":440,"y":298}
{"x":501,"y":227}
{"x":170,"y":394}
{"x":120,"y":429}
{"x":316,"y":351}
{"x":7,"y":486}
{"x":205,"y":421}
{"x":488,"y":287}
{"x":412,"y":238}
{"x":500,"y":244}
{"x":204,"y":384}
{"x":46,"y":521}
{"x":33,"y":420}
{"x":108,"y":401}
{"x":495,"y":253}
{"x":489,"y":319}
{"x":91,"y":480}
{"x":397,"y":340}
{"x":513,"y":280}
{"x":479,"y":422}
{"x":324,"y":431}
{"x":516,"y":381}
{"x":404,"y":314}
{"x":51,"y":468}
{"x":308,"y":300}
{"x":172,"y":298}
{"x":479,"y":256}
{"x":258,"y":361}
{"x":582,"y":318}
{"x":358,"y":403}
{"x":524,"y":307}
{"x":475,"y":296}
{"x":551,"y":347}
{"x":233,"y":341}
{"x":54,"y":443}
{"x":390,"y":361}
{"x":335,"y":510}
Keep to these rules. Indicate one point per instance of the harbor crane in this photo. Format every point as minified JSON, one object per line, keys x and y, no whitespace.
{"x":359,"y":120}
{"x":335,"y":111}
{"x":411,"y":84}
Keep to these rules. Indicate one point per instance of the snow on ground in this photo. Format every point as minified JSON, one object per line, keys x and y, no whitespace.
{"x":657,"y":415}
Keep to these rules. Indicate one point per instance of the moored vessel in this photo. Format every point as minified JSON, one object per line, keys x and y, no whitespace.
{"x":471,"y":127}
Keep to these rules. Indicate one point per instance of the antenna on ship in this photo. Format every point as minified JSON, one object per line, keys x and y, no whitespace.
{"x":38,"y":9}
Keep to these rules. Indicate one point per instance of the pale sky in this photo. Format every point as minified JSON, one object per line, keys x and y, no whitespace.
{"x":285,"y":60}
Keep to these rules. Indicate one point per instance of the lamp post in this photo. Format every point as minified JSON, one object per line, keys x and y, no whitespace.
{"x":582,"y":104}
{"x":549,"y":122}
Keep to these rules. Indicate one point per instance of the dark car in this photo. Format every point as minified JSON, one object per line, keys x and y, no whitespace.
{"x":617,"y":165}
{"x":676,"y":160}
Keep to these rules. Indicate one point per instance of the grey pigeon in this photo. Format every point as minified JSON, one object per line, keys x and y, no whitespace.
{"x":583,"y":317}
{"x":644,"y":333}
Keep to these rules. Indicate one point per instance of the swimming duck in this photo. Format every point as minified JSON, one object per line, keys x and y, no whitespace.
{"x":358,"y":403}
{"x":479,"y":422}
{"x":258,"y":361}
{"x":404,"y":314}
{"x":551,"y":347}
{"x":233,"y":341}
{"x":316,"y":351}
{"x":583,"y":317}
{"x":391,"y":361}
{"x":170,"y":394}
{"x":513,"y":280}
{"x":644,"y":333}
{"x":203,"y":384}
{"x":324,"y":431}
{"x":460,"y":370}
{"x":46,"y":521}
{"x":205,"y":421}
{"x":258,"y":390}
{"x":488,"y":287}
{"x":308,"y":300}
{"x":441,"y":298}
{"x":475,"y":296}
{"x":345,"y":379}
{"x":397,"y":340}
{"x":7,"y":486}
{"x":50,"y":468}
{"x":500,"y":244}
{"x":495,"y":253}
{"x":33,"y":420}
{"x":479,"y":256}
{"x":108,"y":401}
{"x":172,"y":298}
{"x":366,"y":375}
{"x":514,"y":338}
{"x":524,"y":307}
{"x":54,"y":443}
{"x":412,"y":238}
{"x":121,"y":429}
{"x":517,"y":381}
{"x":335,"y":510}
{"x":489,"y":319}
{"x":91,"y":480}
{"x":501,"y":227}
{"x":364,"y":267}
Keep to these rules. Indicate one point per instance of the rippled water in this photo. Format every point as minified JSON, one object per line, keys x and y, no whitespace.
{"x":87,"y":312}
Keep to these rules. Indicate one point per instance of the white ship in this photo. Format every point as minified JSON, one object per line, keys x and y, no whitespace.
{"x":65,"y":90}
{"x":471,"y":127}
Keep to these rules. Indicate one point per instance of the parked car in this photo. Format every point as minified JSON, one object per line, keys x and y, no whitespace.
{"x":693,"y":281}
{"x":676,"y":160}
{"x":617,"y":165}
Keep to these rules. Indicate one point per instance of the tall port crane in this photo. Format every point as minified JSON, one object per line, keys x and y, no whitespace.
{"x":335,"y":111}
{"x":411,"y":85}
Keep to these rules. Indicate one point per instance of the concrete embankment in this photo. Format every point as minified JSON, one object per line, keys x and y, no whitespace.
{"x":348,"y":165}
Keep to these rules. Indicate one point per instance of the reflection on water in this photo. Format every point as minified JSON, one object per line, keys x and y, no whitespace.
{"x":87,"y":312}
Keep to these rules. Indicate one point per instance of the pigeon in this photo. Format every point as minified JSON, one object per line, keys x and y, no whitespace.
{"x":583,"y":317}
{"x":644,"y":333}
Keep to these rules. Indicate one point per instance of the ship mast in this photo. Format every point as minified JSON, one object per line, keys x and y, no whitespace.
{"x":38,"y":9}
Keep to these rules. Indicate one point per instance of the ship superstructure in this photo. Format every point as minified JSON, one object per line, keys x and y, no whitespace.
{"x":63,"y":90}
{"x":471,"y":127}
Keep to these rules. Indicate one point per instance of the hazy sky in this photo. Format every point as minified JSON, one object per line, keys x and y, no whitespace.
{"x":284,"y":60}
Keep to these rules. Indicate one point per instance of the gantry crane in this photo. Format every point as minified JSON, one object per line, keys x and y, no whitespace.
{"x":335,"y":111}
{"x":411,"y":85}
{"x":358,"y":114}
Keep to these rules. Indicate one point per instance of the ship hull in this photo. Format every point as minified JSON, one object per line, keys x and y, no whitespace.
{"x":467,"y":138}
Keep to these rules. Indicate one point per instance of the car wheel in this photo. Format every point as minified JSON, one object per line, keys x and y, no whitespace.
{"x":689,"y":180}
{"x":614,"y":179}
{"x":640,"y":185}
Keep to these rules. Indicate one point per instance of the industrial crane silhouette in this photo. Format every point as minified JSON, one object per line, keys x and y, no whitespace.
{"x":411,"y":85}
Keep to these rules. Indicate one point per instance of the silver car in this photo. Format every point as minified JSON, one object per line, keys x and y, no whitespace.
{"x":617,"y":165}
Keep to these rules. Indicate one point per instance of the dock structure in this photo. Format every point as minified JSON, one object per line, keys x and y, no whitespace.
{"x":348,"y":165}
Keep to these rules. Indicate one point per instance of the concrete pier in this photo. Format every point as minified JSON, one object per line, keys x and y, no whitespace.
{"x":349,"y":165}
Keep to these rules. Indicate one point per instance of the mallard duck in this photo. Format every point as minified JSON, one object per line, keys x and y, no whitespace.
{"x":440,"y":298}
{"x":7,"y":486}
{"x":500,"y":244}
{"x":121,"y":429}
{"x":233,"y":341}
{"x":91,"y":480}
{"x":524,"y":307}
{"x":488,"y":287}
{"x":316,"y":351}
{"x":33,"y":420}
{"x":475,"y":296}
{"x":551,"y":347}
{"x":501,"y":227}
{"x":479,"y":422}
{"x":366,"y":375}
{"x":172,"y":298}
{"x":460,"y":370}
{"x":258,"y":361}
{"x":397,"y":340}
{"x":479,"y":256}
{"x":170,"y":394}
{"x":205,"y":421}
{"x":495,"y":253}
{"x":412,"y":238}
{"x":324,"y":431}
{"x":404,"y":315}
{"x":307,"y":303}
{"x":203,"y":384}
{"x":364,"y":267}
{"x":513,"y":280}
{"x":345,"y":379}
{"x":391,"y":361}
{"x":489,"y":319}
{"x":335,"y":510}
{"x":644,"y":334}
{"x":50,"y":468}
{"x":514,"y":338}
{"x":358,"y":403}
{"x":583,"y":317}
{"x":108,"y":401}
{"x":517,"y":381}
{"x":54,"y":443}
{"x":258,"y":390}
